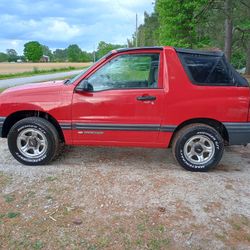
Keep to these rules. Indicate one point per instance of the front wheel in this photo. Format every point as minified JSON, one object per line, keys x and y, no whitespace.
{"x":198,"y":147}
{"x":33,"y":141}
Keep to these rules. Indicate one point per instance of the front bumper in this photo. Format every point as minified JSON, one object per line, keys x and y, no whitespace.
{"x":239,"y":133}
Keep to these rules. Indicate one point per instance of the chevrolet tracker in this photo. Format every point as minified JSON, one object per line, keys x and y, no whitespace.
{"x":159,"y":97}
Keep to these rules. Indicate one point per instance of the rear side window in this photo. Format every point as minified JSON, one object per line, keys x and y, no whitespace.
{"x":210,"y":70}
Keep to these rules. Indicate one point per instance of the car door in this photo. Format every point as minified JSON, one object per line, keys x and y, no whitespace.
{"x":124,"y":103}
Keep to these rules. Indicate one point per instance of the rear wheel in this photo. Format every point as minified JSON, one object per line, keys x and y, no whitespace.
{"x":33,"y":141}
{"x":198,"y":147}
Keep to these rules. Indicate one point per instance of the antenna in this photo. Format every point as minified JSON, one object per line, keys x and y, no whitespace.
{"x":136,"y":30}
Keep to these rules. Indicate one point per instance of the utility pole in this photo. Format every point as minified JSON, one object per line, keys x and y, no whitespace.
{"x":94,"y":54}
{"x":136,"y":30}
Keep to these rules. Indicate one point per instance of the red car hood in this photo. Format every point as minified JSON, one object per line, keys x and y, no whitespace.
{"x":35,"y":87}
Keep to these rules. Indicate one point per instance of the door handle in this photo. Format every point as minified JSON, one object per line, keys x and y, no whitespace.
{"x":146,"y":98}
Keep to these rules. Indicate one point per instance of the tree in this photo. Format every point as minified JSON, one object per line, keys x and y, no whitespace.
{"x":248,"y":59}
{"x":241,"y":33}
{"x":33,"y":51}
{"x":47,"y":52}
{"x":60,"y":55}
{"x":228,"y":28}
{"x":3,"y":57}
{"x":86,"y":57}
{"x":74,"y":53}
{"x":104,"y":48}
{"x":148,"y":32}
{"x":180,"y":22}
{"x":223,"y":24}
{"x":131,"y":42}
{"x":12,"y":55}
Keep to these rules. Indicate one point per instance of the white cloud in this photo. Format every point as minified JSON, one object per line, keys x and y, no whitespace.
{"x":55,"y":29}
{"x":58,"y":23}
{"x":50,"y":29}
{"x":12,"y":44}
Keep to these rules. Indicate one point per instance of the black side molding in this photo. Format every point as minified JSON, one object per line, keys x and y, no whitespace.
{"x":239,"y":133}
{"x":118,"y":127}
{"x":65,"y":126}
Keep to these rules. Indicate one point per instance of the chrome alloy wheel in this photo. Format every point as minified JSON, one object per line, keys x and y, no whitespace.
{"x":32,"y":143}
{"x":199,"y":149}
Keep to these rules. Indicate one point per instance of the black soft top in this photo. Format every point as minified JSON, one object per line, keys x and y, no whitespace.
{"x":209,"y":68}
{"x":140,"y":48}
{"x":181,"y":50}
{"x":200,"y":52}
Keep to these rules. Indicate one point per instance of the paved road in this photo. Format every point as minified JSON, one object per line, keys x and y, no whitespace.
{"x":39,"y":78}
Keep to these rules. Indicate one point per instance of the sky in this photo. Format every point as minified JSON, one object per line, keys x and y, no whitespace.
{"x":59,"y":23}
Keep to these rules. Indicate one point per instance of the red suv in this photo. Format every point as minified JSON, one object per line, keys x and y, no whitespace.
{"x":192,"y":101}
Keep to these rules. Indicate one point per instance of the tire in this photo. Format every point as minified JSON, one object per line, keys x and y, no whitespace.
{"x":198,"y":147}
{"x":33,"y":141}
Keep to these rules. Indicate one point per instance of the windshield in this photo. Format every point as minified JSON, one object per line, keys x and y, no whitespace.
{"x":82,"y":73}
{"x":79,"y":75}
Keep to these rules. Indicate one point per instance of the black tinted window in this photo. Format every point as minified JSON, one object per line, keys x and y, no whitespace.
{"x":207,"y":70}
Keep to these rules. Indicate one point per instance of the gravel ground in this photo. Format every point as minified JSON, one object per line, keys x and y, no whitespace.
{"x":120,"y":198}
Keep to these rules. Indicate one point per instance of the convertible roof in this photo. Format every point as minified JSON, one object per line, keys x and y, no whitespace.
{"x":178,"y":50}
{"x":200,"y":52}
{"x":140,"y":48}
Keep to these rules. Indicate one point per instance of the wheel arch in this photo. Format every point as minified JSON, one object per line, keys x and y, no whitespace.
{"x":19,"y":115}
{"x":217,"y":125}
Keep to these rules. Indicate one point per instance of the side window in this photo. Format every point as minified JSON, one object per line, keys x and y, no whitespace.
{"x":207,"y":70}
{"x":130,"y":71}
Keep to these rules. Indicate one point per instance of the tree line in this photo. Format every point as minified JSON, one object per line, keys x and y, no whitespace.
{"x":200,"y":24}
{"x":34,"y":51}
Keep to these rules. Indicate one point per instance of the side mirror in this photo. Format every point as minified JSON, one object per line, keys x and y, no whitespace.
{"x":84,"y":86}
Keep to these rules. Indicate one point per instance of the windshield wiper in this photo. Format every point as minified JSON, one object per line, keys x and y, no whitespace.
{"x":66,"y":81}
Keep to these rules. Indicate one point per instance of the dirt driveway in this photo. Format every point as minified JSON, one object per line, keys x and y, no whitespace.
{"x":118,"y":198}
